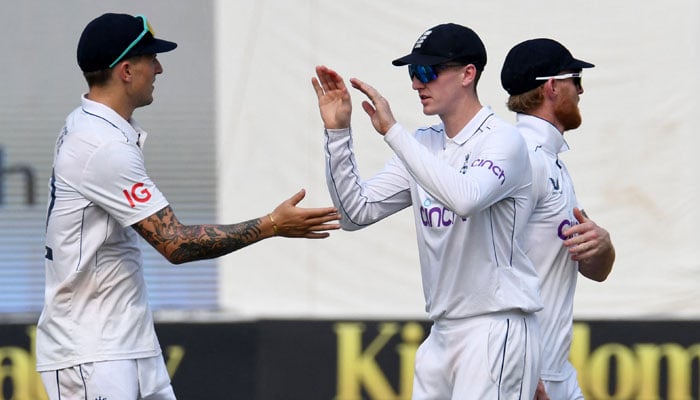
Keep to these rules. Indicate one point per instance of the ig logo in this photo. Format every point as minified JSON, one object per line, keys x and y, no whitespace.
{"x":137,"y":194}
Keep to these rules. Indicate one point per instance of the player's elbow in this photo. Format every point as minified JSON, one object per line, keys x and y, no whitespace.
{"x":349,"y":226}
{"x":172,"y":257}
{"x":176,"y":261}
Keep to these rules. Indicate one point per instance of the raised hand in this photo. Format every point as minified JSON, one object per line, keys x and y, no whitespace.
{"x":377,"y":107}
{"x":333,"y":98}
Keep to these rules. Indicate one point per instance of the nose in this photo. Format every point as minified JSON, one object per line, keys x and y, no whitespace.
{"x":159,"y":67}
{"x":416,"y":83}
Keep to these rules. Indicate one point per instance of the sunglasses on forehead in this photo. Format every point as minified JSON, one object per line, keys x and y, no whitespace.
{"x":428,"y":73}
{"x":146,"y":28}
{"x":575,"y":76}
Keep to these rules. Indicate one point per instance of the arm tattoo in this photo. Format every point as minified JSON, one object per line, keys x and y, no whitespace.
{"x":183,"y":243}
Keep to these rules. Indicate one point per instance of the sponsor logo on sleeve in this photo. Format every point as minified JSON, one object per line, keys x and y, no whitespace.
{"x":137,"y":194}
{"x":491,"y":166}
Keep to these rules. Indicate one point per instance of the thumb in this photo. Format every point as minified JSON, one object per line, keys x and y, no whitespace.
{"x":297,"y":197}
{"x":369,"y":109}
{"x":580,"y":215}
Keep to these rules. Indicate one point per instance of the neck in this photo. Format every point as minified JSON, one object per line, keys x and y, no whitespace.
{"x":111,"y":99}
{"x":456,"y":121}
{"x":549,"y":117}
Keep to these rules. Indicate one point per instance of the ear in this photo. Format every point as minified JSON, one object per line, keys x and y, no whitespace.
{"x":124,"y":71}
{"x":469,"y":75}
{"x":550,"y":89}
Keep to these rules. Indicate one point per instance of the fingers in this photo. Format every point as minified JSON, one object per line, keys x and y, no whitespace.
{"x":310,"y":231}
{"x":317,"y":87}
{"x":322,"y":220}
{"x":366,"y":89}
{"x":377,"y":107}
{"x":315,"y":235}
{"x":590,"y":243}
{"x":323,"y":227}
{"x":580,"y":215}
{"x":541,"y":393}
{"x":329,"y":79}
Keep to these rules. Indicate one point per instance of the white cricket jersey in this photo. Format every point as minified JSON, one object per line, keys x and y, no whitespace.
{"x":469,"y":197}
{"x":553,"y":212}
{"x":96,"y":305}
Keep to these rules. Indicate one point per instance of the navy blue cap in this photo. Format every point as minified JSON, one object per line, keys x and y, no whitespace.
{"x":106,"y":37}
{"x":446,"y":42}
{"x":535,"y":58}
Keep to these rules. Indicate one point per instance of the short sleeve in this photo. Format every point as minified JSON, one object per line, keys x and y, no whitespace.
{"x":115,"y":179}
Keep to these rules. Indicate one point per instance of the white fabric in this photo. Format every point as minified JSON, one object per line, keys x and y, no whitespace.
{"x":486,"y":357}
{"x":555,"y":199}
{"x":566,"y":388}
{"x":140,"y":379}
{"x":470,"y":200}
{"x":96,"y":305}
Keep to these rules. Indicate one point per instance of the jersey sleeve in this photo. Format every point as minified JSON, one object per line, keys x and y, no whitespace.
{"x":362,"y":202}
{"x":497,"y":167}
{"x":115,"y":179}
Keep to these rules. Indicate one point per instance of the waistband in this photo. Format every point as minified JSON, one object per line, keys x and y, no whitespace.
{"x":445,"y":323}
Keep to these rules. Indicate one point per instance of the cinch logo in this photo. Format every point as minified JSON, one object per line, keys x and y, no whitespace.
{"x":136,"y":195}
{"x":564,"y":225}
{"x":438,"y":216}
{"x":498,"y":171}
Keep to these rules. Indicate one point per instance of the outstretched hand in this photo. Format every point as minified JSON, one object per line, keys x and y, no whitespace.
{"x":310,"y":223}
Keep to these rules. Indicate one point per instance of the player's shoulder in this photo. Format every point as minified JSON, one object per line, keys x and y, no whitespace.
{"x":89,"y":128}
{"x":504,"y":132}
{"x":432,"y":130}
{"x":430,"y":136}
{"x":498,"y":124}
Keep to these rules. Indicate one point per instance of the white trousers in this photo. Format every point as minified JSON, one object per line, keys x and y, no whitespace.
{"x":495,"y":356}
{"x":140,"y":379}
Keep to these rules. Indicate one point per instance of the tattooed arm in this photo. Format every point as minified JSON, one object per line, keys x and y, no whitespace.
{"x":183,"y":243}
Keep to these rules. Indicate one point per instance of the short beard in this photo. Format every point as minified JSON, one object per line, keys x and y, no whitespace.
{"x":568,"y":114}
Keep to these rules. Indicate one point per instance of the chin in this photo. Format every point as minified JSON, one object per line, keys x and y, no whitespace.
{"x":428,"y":111}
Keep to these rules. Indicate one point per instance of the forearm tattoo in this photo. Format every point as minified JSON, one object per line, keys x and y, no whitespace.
{"x":184,"y":243}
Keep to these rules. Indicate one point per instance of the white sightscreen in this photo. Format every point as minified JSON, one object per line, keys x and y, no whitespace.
{"x":633,"y":160}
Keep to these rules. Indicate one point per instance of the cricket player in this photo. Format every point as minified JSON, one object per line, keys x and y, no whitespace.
{"x":95,"y":335}
{"x":543,"y":80}
{"x":468,"y":179}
